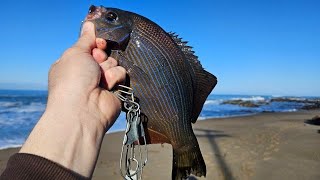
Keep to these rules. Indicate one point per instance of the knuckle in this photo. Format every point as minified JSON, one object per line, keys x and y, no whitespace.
{"x":113,"y":62}
{"x":122,"y":71}
{"x":106,"y":65}
{"x":109,"y":75}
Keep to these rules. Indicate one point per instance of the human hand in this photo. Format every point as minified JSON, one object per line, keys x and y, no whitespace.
{"x":78,"y":110}
{"x":74,"y":80}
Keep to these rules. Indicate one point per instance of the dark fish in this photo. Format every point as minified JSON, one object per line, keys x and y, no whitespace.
{"x":166,"y":77}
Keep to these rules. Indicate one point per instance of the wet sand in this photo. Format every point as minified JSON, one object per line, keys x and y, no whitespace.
{"x":264,"y":146}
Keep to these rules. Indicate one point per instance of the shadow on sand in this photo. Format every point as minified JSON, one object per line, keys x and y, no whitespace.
{"x":313,"y":123}
{"x":212,"y":135}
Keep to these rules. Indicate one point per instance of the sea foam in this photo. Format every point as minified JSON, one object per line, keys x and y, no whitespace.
{"x":7,"y":104}
{"x":20,"y":111}
{"x":252,"y":98}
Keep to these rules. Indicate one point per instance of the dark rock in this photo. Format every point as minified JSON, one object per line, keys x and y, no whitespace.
{"x":296,"y":100}
{"x":314,"y":121}
{"x":311,"y":106}
{"x":241,"y":103}
{"x":308,"y":104}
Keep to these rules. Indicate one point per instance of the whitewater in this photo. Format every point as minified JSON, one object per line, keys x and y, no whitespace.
{"x":21,"y":109}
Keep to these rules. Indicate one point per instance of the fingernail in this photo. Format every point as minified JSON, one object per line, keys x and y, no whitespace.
{"x":87,"y":27}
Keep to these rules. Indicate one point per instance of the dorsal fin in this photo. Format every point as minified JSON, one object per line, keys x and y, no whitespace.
{"x":203,"y":81}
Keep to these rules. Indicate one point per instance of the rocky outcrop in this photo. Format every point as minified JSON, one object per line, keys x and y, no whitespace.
{"x":311,"y":106}
{"x":296,"y":100}
{"x":306,"y":104}
{"x":243,"y":103}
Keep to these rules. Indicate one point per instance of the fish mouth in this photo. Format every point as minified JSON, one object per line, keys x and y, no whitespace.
{"x":112,"y":47}
{"x":115,"y":47}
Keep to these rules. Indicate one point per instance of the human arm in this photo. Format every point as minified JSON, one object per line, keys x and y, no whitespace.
{"x":78,"y":111}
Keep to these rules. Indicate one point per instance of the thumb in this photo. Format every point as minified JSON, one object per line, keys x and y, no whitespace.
{"x":87,"y":37}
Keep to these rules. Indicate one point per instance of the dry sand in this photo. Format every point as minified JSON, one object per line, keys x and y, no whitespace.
{"x":264,"y":146}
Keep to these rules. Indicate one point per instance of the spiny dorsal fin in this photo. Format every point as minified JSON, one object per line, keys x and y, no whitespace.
{"x":203,"y":81}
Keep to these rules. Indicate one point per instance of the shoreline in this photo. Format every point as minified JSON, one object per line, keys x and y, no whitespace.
{"x":260,"y":146}
{"x":199,"y":119}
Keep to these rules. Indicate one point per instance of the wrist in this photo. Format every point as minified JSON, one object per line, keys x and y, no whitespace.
{"x":71,"y":138}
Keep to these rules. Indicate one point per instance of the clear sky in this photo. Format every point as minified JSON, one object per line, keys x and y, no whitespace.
{"x":253,"y":46}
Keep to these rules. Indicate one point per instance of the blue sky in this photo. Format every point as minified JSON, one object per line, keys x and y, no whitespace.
{"x":253,"y":47}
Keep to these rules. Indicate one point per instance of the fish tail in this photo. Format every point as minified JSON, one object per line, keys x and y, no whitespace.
{"x":188,"y":162}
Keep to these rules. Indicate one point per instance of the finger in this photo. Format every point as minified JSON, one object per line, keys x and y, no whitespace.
{"x":101,"y":43}
{"x":87,"y":37}
{"x":99,"y":55}
{"x":109,"y":63}
{"x":114,"y":112}
{"x":105,"y":66}
{"x":114,"y":76}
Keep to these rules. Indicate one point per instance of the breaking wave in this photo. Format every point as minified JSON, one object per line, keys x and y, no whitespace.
{"x":20,"y":111}
{"x":253,"y":98}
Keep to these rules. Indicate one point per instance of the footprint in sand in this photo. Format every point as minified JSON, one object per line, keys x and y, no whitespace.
{"x":272,"y":147}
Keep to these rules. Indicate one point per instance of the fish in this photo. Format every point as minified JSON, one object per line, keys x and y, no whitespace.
{"x":166,"y":77}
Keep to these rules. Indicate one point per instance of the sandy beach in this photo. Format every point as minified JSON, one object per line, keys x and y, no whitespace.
{"x":262,"y":146}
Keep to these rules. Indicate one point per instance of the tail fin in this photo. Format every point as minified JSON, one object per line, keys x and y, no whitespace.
{"x":188,"y":162}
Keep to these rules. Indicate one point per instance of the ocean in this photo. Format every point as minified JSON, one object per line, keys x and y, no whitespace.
{"x":21,"y":109}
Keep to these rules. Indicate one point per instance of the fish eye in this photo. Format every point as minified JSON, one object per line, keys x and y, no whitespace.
{"x":111,"y":16}
{"x":92,"y":9}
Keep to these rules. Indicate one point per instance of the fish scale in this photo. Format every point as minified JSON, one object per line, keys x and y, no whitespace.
{"x":167,"y":79}
{"x":144,"y":92}
{"x":172,"y":62}
{"x":145,"y":105}
{"x":158,"y":84}
{"x":156,"y":92}
{"x":137,"y":57}
{"x":149,"y":71}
